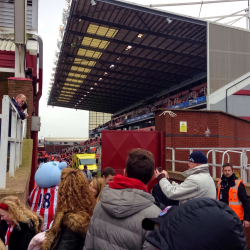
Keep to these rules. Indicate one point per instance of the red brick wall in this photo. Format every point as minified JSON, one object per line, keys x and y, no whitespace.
{"x":22,"y":86}
{"x":226,"y":131}
{"x":4,"y":86}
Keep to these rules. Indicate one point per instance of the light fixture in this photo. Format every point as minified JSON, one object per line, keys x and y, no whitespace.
{"x":91,"y":88}
{"x":129,"y":47}
{"x":105,"y":73}
{"x":80,"y":20}
{"x":118,"y":58}
{"x":140,"y":35}
{"x":93,"y":3}
{"x":95,"y":84}
{"x":169,"y":20}
{"x":81,"y":98}
{"x":87,"y":92}
{"x":85,"y":95}
{"x":112,"y":66}
{"x":77,"y":103}
{"x":100,"y":79}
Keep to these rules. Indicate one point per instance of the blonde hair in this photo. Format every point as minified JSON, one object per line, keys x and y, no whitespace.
{"x":98,"y":184}
{"x":17,"y":211}
{"x":74,"y":197}
{"x":2,"y":246}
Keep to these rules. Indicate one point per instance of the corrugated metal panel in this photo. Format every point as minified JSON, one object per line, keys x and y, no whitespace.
{"x":229,"y":55}
{"x":7,"y":15}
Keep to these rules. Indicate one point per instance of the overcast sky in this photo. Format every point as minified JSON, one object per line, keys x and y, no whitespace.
{"x":64,"y":122}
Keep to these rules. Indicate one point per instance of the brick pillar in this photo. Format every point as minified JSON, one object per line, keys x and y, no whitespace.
{"x":22,"y":86}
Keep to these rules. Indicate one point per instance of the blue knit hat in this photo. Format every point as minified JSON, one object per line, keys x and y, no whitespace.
{"x":198,"y":157}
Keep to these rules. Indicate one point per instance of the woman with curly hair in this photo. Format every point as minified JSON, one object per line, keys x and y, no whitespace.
{"x":18,"y":224}
{"x":74,"y":210}
{"x":96,"y":186}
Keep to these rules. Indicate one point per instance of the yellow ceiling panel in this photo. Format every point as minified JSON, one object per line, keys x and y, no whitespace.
{"x":77,"y":75}
{"x":74,"y":68}
{"x":101,"y":31}
{"x":69,"y":89}
{"x":68,"y":80}
{"x":72,"y":85}
{"x":71,"y":74}
{"x":60,"y":100}
{"x":66,"y":95}
{"x":67,"y":92}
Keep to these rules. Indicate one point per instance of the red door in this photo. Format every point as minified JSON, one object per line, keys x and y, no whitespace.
{"x":116,"y":144}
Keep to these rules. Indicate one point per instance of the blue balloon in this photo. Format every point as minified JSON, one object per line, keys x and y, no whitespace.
{"x":49,"y":174}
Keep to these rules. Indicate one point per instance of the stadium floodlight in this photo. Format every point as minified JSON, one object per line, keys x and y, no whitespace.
{"x":91,"y":88}
{"x":100,"y":79}
{"x":112,"y":66}
{"x":169,"y":20}
{"x":172,"y":114}
{"x":105,"y":73}
{"x":140,"y":35}
{"x":95,"y":84}
{"x":93,"y":3}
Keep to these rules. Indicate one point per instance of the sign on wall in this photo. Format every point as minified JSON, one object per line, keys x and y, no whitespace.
{"x":183,"y":127}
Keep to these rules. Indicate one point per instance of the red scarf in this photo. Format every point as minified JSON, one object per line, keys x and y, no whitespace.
{"x":7,"y":235}
{"x":122,"y":182}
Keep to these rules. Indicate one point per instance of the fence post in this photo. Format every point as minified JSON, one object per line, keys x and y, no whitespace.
{"x":173,"y":159}
{"x":244,"y":164}
{"x":4,"y":140}
{"x":13,"y":144}
{"x":18,"y":141}
{"x":21,"y":143}
{"x":214,"y":163}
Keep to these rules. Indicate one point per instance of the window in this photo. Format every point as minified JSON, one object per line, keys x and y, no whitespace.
{"x":65,"y":143}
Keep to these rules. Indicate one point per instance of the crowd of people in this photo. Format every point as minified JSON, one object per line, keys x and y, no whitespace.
{"x":181,"y":97}
{"x":118,"y":212}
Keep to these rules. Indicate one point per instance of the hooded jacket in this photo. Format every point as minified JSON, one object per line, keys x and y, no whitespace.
{"x":202,"y":224}
{"x":198,"y":183}
{"x":117,"y":220}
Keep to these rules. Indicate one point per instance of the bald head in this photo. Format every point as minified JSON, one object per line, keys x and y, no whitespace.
{"x":21,"y":99}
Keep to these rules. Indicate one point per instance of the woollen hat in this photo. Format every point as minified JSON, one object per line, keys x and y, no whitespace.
{"x":198,"y":157}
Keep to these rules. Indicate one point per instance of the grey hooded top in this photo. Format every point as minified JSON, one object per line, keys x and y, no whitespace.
{"x":117,"y":220}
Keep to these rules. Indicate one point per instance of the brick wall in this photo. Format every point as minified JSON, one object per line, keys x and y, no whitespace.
{"x":4,"y":86}
{"x":226,"y":131}
{"x":22,"y":86}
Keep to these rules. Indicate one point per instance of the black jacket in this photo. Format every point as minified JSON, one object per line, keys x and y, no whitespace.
{"x":68,"y":240}
{"x":71,"y":231}
{"x":20,"y":236}
{"x":226,"y":183}
{"x":202,"y":224}
{"x":160,"y":197}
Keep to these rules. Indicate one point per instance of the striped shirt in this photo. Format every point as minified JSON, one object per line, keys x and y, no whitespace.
{"x":43,"y":201}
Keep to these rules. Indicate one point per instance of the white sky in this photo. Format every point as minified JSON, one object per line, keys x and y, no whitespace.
{"x":64,"y":122}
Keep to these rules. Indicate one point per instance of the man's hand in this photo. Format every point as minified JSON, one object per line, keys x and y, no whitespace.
{"x":246,"y":223}
{"x":26,"y":115}
{"x":157,"y":173}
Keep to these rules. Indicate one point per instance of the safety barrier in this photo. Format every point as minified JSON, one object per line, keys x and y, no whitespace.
{"x":242,"y":152}
{"x":11,"y":139}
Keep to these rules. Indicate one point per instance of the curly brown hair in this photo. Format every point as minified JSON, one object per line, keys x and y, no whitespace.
{"x":74,"y":199}
{"x":17,"y":211}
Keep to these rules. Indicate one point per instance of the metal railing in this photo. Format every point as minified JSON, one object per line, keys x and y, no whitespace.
{"x":243,"y":159}
{"x":11,"y":139}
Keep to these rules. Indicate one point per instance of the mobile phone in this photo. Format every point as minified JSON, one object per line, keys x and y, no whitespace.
{"x":159,"y":169}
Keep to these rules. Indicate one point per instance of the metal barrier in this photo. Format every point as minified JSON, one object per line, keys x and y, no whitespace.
{"x":11,"y":134}
{"x":244,"y":166}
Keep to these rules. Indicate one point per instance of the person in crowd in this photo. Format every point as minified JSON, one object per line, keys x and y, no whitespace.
{"x":161,"y":198}
{"x":18,"y":224}
{"x":87,"y":173}
{"x":74,"y":210}
{"x":202,"y":223}
{"x":232,"y":191}
{"x":124,"y":203}
{"x":18,"y":102}
{"x":108,"y":174}
{"x":96,"y":186}
{"x":198,"y":182}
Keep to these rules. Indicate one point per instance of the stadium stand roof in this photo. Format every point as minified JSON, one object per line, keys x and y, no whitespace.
{"x":115,"y":54}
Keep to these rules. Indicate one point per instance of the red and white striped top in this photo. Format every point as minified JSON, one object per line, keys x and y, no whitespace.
{"x":43,"y":201}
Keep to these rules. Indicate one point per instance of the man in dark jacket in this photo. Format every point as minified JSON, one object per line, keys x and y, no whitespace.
{"x":232,"y":191}
{"x":202,"y":224}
